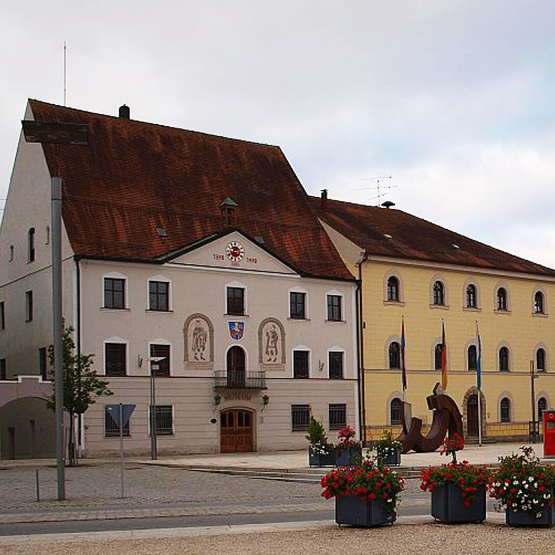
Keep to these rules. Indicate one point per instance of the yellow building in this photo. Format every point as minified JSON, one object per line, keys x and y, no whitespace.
{"x":429,"y":276}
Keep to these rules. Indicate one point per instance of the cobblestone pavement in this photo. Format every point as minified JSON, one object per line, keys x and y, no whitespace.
{"x":152,"y":491}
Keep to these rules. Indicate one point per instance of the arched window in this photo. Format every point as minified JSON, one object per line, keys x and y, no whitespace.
{"x":31,"y":245}
{"x":393,"y":289}
{"x":471,"y":297}
{"x":439,"y":293}
{"x":502,"y":299}
{"x":438,"y":351}
{"x":472,"y":358}
{"x":538,"y":303}
{"x":396,"y":411}
{"x":540,"y":360}
{"x":503,"y":359}
{"x":505,"y":410}
{"x":542,"y":405}
{"x":394,"y":355}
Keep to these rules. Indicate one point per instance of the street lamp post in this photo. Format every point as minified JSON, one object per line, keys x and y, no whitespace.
{"x":64,"y":134}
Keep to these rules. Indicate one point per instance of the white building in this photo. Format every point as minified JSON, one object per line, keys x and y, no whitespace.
{"x":198,"y":249}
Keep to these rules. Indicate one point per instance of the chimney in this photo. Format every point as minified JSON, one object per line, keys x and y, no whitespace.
{"x":324,"y":200}
{"x":124,"y":112}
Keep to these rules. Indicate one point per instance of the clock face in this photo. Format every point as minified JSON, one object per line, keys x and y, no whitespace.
{"x":235,"y":251}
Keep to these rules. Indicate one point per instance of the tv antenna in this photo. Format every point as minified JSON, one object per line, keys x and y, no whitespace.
{"x":65,"y":72}
{"x":377,"y":188}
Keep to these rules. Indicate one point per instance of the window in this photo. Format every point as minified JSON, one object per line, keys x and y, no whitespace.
{"x":297,"y":305}
{"x":111,"y":429}
{"x":11,"y":253}
{"x":31,"y":245}
{"x":300,"y":364}
{"x":505,"y":410}
{"x":396,"y":411}
{"x":43,"y":365}
{"x":439,"y":294}
{"x":438,"y":352}
{"x":503,"y":359}
{"x":236,"y":301}
{"x":115,"y":359}
{"x":472,"y":358}
{"x":163,"y":415}
{"x":29,"y":306}
{"x":163,"y":365}
{"x":538,"y":303}
{"x":542,"y":405}
{"x":114,"y":293}
{"x":300,"y":417}
{"x":159,"y":295}
{"x":3,"y":370}
{"x":47,"y":242}
{"x":337,"y":416}
{"x":336,"y":365}
{"x":393,"y":289}
{"x":394,"y":355}
{"x":502,"y":299}
{"x":334,"y":308}
{"x":2,"y":316}
{"x":540,"y":360}
{"x":471,"y":296}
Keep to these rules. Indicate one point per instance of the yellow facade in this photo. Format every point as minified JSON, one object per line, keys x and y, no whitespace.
{"x":519,"y":329}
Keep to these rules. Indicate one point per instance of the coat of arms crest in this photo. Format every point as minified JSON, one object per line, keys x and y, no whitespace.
{"x":236,"y":330}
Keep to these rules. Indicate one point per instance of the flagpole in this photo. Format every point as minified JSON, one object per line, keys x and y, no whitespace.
{"x":479,"y":384}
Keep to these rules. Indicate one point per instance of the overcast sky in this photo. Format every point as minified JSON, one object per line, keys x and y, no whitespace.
{"x":454,"y":99}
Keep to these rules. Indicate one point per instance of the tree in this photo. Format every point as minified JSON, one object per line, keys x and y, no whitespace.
{"x":81,"y":384}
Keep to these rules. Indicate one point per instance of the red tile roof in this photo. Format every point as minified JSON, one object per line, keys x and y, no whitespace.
{"x":135,"y":177}
{"x":416,"y":239}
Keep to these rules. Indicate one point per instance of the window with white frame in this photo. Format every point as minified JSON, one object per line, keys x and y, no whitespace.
{"x":115,"y":359}
{"x":114,"y":292}
{"x":159,"y":295}
{"x":335,"y":312}
{"x":301,"y":364}
{"x":335,"y":365}
{"x":163,"y":366}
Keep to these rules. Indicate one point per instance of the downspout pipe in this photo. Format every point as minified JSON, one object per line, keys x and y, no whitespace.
{"x":78,"y":344}
{"x":360,"y":349}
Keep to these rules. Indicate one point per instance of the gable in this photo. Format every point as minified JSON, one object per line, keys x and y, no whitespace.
{"x":234,"y":251}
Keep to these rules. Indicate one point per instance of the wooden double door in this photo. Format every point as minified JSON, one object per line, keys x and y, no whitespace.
{"x":236,"y":431}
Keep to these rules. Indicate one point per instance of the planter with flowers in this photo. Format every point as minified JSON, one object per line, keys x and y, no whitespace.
{"x":388,"y":450}
{"x":348,"y":451}
{"x":524,"y":487}
{"x":458,"y":489}
{"x":320,"y":451}
{"x":365,"y":494}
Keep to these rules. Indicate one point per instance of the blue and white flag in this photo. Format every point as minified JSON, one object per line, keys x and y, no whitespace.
{"x":479,"y":362}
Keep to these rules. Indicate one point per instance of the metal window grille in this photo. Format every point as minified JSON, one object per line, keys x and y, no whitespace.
{"x":439,"y":293}
{"x":395,"y":355}
{"x":396,"y":411}
{"x":504,"y":359}
{"x":334,"y":307}
{"x":505,"y":410}
{"x":337,"y":416}
{"x":538,"y":303}
{"x":159,"y":295}
{"x":114,"y":293}
{"x":472,"y":358}
{"x":392,"y":289}
{"x":471,"y":296}
{"x":115,"y":359}
{"x":300,"y":364}
{"x":297,"y":305}
{"x":501,"y":299}
{"x":438,"y":356}
{"x":28,"y":306}
{"x":236,"y":301}
{"x":336,"y":365}
{"x":111,"y":429}
{"x":300,"y":417}
{"x":164,"y":419}
{"x":163,"y":365}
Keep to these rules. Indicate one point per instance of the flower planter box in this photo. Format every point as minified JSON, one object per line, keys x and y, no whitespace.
{"x":522,"y":518}
{"x":448,"y":505}
{"x":315,"y":459}
{"x":392,"y":459}
{"x":356,"y":511}
{"x":347,"y":457}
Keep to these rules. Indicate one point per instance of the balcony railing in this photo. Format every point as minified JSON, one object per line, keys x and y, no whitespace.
{"x":239,"y":380}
